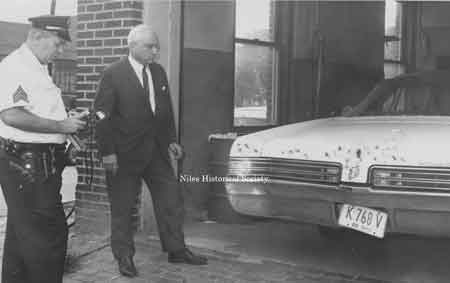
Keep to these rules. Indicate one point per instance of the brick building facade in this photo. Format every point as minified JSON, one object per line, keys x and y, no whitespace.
{"x":102,"y":30}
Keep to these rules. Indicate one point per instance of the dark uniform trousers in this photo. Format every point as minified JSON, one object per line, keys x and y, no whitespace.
{"x":123,"y":190}
{"x":36,"y":231}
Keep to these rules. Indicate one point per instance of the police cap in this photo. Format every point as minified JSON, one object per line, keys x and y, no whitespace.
{"x":56,"y":24}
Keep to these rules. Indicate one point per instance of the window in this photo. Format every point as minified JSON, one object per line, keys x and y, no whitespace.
{"x":256,"y":64}
{"x":392,"y":39}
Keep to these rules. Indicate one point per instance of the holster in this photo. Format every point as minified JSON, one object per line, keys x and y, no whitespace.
{"x":35,"y":162}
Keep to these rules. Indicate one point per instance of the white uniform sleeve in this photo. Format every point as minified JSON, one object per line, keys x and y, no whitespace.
{"x":13,"y":93}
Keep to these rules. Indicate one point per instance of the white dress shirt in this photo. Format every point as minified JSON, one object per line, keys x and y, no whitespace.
{"x":137,"y":67}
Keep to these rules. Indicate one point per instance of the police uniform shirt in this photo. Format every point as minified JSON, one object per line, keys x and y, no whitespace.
{"x":25,"y":83}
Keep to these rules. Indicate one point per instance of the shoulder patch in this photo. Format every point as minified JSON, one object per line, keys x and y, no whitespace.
{"x":19,"y":95}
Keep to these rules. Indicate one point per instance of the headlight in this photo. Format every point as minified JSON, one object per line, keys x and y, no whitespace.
{"x":332,"y":170}
{"x":386,"y":178}
{"x":240,"y":168}
{"x":383,"y":178}
{"x":285,"y":169}
{"x":419,"y":179}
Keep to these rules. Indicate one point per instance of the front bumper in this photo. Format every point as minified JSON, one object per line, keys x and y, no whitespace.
{"x":412,"y":213}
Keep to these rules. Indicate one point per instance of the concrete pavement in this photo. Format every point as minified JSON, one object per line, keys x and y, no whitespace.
{"x":265,"y":252}
{"x":90,"y":260}
{"x":152,"y":264}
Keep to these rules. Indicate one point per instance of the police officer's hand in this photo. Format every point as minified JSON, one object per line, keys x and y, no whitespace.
{"x":74,"y":123}
{"x":110,"y":163}
{"x":175,"y":151}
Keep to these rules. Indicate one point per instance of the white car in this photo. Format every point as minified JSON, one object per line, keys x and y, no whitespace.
{"x":382,"y":167}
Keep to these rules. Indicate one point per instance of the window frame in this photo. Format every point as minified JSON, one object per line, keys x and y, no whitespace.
{"x":275,"y":47}
{"x":395,"y":38}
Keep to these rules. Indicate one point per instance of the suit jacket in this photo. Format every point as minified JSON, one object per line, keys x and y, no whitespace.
{"x":130,"y":128}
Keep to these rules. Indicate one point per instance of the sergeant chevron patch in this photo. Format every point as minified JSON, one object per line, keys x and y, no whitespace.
{"x":19,"y":95}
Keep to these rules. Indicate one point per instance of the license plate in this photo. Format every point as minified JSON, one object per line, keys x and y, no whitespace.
{"x":363,"y":219}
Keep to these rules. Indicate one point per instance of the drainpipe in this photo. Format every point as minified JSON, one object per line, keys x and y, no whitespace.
{"x":320,"y":60}
{"x":52,"y":7}
{"x":320,"y":66}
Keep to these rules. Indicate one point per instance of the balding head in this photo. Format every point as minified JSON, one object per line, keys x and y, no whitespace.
{"x":143,"y":43}
{"x":139,"y":33}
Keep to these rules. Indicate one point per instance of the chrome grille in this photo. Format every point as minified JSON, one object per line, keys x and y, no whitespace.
{"x":410,"y":179}
{"x":285,"y":169}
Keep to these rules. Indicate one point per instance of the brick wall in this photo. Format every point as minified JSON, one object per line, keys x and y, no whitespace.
{"x":103,"y":26}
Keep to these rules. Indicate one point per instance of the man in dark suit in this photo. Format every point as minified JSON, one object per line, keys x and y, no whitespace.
{"x":137,"y":141}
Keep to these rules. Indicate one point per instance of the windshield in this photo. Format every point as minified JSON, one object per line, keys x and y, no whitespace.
{"x":406,"y":96}
{"x":425,"y":100}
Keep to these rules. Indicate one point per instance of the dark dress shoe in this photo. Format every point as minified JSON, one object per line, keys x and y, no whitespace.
{"x":126,"y":267}
{"x":186,"y":256}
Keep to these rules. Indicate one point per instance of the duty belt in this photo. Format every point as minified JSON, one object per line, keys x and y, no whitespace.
{"x":35,"y":161}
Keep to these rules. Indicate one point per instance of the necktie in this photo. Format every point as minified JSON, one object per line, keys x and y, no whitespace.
{"x":147,"y":89}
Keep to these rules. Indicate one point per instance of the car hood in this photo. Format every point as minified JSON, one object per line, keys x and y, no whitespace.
{"x":355,"y":142}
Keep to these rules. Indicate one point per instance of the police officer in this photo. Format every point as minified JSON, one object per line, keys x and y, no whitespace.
{"x":33,"y":129}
